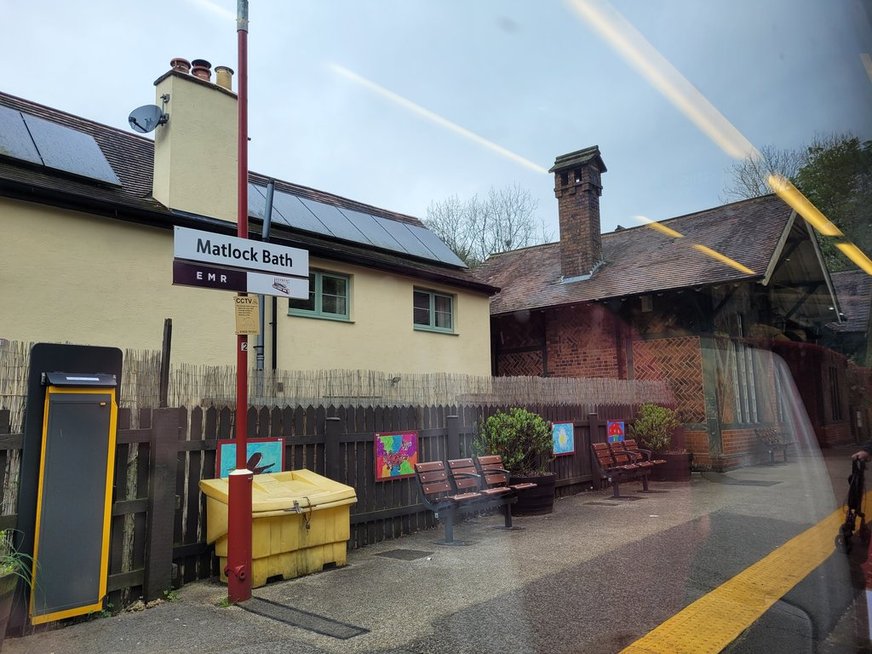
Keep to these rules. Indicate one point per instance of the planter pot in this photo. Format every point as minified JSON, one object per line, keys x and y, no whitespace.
{"x":8,"y":584}
{"x":535,"y":501}
{"x":676,"y":468}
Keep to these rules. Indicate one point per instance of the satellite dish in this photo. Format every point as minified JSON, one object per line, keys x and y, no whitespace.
{"x":145,"y":118}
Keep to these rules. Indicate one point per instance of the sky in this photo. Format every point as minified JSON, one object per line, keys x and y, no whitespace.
{"x":402,"y":103}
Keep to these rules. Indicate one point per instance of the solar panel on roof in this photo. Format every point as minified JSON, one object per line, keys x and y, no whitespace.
{"x":370,"y":227}
{"x":436,"y":245}
{"x":411,"y":244}
{"x":15,"y":140}
{"x":66,"y":149}
{"x":335,"y":221}
{"x":350,"y":225}
{"x":256,"y":202}
{"x":293,"y":213}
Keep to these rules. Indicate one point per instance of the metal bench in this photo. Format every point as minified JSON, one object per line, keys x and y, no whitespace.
{"x":615,"y":473}
{"x":771,"y":440}
{"x":447,"y":501}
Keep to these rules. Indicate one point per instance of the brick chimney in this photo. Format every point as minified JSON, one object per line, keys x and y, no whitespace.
{"x":195,"y":152}
{"x":577,"y":187}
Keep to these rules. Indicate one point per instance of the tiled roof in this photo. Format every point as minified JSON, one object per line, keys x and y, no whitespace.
{"x":131,"y":157}
{"x":642,"y":260}
{"x":854,"y":290}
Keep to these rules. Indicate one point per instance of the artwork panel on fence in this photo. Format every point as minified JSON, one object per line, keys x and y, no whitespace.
{"x":262,"y":455}
{"x":563,"y":435}
{"x":396,"y":454}
{"x":615,"y":431}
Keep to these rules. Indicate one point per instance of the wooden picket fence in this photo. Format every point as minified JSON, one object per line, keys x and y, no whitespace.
{"x":158,"y":513}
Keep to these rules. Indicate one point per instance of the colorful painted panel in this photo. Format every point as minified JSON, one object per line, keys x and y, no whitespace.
{"x":615,"y":431}
{"x":563,"y":434}
{"x":395,"y":455}
{"x":264,"y":455}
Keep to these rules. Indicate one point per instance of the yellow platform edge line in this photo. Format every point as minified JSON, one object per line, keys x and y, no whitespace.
{"x":716,"y":619}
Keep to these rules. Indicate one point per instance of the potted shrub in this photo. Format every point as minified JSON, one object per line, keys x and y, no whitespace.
{"x":653,"y":428}
{"x":523,"y":440}
{"x":14,"y":567}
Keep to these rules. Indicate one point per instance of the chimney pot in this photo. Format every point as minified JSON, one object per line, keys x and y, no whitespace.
{"x":202,"y":69}
{"x":180,"y":65}
{"x":224,"y":77}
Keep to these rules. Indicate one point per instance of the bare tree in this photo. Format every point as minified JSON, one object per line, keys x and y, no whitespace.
{"x":477,"y":228}
{"x":748,"y":177}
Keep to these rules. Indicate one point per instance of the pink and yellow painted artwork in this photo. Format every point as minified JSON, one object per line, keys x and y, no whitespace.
{"x":395,"y":455}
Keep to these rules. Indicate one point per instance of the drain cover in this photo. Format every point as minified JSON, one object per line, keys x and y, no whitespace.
{"x":405,"y":555}
{"x":603,"y":503}
{"x":302,"y":619}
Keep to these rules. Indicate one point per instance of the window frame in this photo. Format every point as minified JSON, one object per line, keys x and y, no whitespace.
{"x":431,"y":311}
{"x":318,"y":310}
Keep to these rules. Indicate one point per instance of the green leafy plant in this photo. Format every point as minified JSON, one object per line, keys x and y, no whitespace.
{"x":12,"y":561}
{"x":522,"y":438}
{"x":654,"y":426}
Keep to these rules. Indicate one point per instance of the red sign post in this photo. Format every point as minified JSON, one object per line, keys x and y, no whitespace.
{"x":238,"y":569}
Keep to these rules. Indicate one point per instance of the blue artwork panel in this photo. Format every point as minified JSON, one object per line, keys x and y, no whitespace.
{"x":615,"y":431}
{"x":563,"y":435}
{"x":262,"y":455}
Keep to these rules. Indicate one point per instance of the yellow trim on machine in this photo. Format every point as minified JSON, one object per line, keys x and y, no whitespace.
{"x":107,"y":505}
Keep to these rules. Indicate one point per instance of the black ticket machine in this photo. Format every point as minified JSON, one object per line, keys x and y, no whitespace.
{"x":67,"y":479}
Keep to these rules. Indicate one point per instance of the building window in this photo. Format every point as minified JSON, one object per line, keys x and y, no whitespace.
{"x":742,"y":370}
{"x":328,"y":297}
{"x":433,"y":311}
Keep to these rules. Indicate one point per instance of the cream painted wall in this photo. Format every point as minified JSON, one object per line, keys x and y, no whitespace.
{"x":195,"y":153}
{"x":381,"y":335}
{"x":71,"y":277}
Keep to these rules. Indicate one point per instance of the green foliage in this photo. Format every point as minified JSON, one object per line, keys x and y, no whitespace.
{"x":834,"y":172}
{"x":523,"y":439}
{"x":837,"y":178}
{"x":11,"y":560}
{"x":653,"y":427}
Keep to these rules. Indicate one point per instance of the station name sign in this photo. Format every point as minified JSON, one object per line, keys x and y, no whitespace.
{"x":187,"y":273}
{"x":220,"y":250}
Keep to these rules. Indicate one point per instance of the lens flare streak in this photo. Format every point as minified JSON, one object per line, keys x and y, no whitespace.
{"x":435,"y":118}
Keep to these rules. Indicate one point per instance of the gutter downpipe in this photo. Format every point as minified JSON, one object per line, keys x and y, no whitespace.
{"x":264,"y":236}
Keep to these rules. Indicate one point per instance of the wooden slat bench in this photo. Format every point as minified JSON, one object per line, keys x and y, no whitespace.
{"x":490,"y":467}
{"x":772,"y":440}
{"x":615,"y":473}
{"x":466,"y":478}
{"x":447,"y":502}
{"x":646,"y":455}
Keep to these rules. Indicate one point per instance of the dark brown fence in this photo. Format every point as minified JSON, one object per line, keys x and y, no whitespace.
{"x":158,"y":514}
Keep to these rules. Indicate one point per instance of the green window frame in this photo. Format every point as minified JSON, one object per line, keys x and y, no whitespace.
{"x":329,"y":297}
{"x":433,"y":311}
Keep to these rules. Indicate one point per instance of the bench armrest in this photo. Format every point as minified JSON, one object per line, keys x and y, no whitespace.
{"x":465,"y":475}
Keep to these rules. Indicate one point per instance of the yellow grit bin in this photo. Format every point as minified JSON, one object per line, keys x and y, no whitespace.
{"x":300,"y":522}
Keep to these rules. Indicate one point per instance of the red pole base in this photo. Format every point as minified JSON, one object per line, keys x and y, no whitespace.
{"x":238,"y":568}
